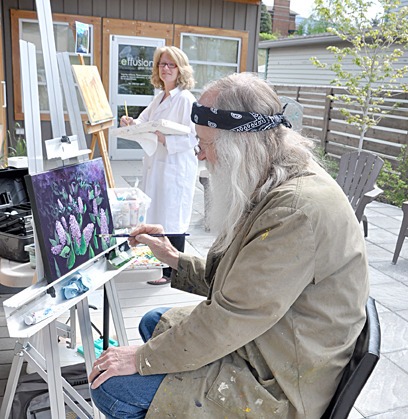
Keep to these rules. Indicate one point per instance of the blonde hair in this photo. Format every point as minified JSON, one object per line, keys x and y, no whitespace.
{"x":185,"y":79}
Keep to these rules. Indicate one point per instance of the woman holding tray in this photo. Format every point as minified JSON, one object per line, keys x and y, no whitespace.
{"x":169,"y":175}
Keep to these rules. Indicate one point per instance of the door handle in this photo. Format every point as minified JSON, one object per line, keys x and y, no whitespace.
{"x":4,"y":94}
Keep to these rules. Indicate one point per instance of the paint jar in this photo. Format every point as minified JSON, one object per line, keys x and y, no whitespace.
{"x":134,"y":213}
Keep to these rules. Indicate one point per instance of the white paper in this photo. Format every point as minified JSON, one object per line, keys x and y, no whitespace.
{"x":147,"y":140}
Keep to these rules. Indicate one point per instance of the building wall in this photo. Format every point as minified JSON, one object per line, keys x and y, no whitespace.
{"x":205,"y":13}
{"x":280,"y":20}
{"x":290,"y":64}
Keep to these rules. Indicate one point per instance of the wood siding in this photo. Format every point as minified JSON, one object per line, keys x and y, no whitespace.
{"x":323,"y":122}
{"x":228,"y":15}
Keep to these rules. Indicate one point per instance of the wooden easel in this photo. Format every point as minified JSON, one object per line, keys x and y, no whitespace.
{"x":99,"y":113}
{"x":98,"y":136}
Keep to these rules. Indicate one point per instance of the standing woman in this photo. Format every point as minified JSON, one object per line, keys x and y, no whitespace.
{"x":169,"y":175}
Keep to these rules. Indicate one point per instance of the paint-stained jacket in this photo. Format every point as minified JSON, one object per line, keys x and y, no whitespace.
{"x":285,"y":306}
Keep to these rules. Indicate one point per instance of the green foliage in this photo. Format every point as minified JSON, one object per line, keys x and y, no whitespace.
{"x":394,"y":182}
{"x":268,"y":36}
{"x":329,"y":163}
{"x":311,"y":26}
{"x":375,"y":48}
{"x":266,"y":21}
{"x":17,"y":143}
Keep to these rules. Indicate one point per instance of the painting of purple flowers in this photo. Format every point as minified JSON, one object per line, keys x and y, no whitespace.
{"x":71,"y":210}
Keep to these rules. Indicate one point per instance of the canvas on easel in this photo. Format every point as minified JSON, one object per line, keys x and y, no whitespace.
{"x":93,"y":94}
{"x":71,"y":210}
{"x":99,"y":113}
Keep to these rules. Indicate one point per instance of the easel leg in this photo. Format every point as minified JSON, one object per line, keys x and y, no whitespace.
{"x":93,"y":145}
{"x":105,"y":319}
{"x":114,"y":304}
{"x":104,"y":152}
{"x":71,"y":397}
{"x":52,"y":360}
{"x":87,"y":341}
{"x":12,"y":381}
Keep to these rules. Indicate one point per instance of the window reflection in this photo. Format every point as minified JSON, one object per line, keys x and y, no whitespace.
{"x":64,"y":42}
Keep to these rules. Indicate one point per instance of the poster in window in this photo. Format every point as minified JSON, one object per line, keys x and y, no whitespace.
{"x":82,"y":38}
{"x":71,"y":211}
{"x":135,"y":65}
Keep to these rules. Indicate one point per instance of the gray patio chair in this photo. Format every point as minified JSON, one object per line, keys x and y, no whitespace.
{"x":403,"y":232}
{"x":362,"y":363}
{"x":358,"y":172}
{"x":293,"y":111}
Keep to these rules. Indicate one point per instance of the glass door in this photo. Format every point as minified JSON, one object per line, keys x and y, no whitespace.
{"x":131,"y":64}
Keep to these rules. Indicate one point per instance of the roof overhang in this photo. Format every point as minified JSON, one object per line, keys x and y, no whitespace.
{"x":300,"y":40}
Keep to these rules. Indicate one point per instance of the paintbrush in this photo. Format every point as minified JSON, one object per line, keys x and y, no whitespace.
{"x":126,"y":113}
{"x":152,"y":235}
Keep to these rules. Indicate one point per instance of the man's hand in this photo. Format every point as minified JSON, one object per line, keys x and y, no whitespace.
{"x":113,"y":362}
{"x":160,"y":246}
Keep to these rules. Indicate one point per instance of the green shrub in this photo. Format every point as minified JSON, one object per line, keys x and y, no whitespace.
{"x":329,"y":163}
{"x":17,"y":143}
{"x":394,"y":182}
{"x":264,"y":36}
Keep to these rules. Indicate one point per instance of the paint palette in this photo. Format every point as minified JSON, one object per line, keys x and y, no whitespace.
{"x":144,"y":259}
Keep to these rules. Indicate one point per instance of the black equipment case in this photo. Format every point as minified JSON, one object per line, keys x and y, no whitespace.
{"x":15,"y":215}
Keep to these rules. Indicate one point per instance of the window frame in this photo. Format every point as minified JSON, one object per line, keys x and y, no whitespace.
{"x":235,"y":67}
{"x":180,"y":30}
{"x":17,"y":19}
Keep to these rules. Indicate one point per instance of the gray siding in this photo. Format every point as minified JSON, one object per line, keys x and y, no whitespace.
{"x":291,"y":64}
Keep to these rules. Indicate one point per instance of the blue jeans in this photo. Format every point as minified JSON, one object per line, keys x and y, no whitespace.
{"x":129,"y":396}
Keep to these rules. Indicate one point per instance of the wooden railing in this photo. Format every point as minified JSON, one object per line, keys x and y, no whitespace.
{"x":323,"y":122}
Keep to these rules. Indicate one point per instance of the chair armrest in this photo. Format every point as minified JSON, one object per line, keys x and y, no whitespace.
{"x":368,"y":197}
{"x":373,"y":194}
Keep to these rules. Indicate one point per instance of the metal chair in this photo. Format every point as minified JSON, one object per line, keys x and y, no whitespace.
{"x":358,"y":172}
{"x":403,"y":232}
{"x":362,"y":363}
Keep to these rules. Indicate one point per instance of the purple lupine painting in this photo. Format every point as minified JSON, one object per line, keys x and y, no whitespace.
{"x":71,"y":209}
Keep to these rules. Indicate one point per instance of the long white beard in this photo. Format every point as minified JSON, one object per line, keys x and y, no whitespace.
{"x":225,"y":209}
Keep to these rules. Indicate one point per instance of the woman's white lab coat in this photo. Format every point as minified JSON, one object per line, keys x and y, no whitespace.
{"x":169,"y":175}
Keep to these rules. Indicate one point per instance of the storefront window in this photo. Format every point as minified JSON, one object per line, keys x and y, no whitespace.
{"x":211,"y":57}
{"x":64,"y":42}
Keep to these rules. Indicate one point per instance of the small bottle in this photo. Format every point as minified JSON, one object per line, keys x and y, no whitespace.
{"x":125,"y":213}
{"x":134,"y":213}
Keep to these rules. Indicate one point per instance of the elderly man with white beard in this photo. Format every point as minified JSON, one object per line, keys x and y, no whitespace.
{"x":286,"y":281}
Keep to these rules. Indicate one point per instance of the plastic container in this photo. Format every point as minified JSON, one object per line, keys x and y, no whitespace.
{"x":129,"y":207}
{"x":30,"y":248}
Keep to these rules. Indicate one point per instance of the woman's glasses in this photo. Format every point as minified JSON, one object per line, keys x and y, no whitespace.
{"x":171,"y":66}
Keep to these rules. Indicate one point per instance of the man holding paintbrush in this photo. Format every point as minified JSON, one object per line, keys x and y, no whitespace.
{"x":286,"y":280}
